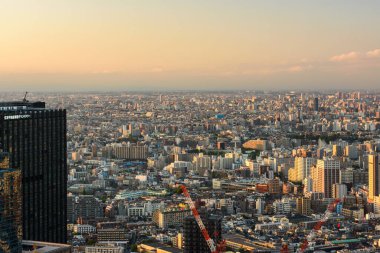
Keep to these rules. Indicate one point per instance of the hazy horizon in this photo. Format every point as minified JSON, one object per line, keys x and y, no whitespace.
{"x":115,"y":45}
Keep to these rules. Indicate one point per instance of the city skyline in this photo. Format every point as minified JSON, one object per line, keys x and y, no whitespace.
{"x":134,"y":172}
{"x":167,"y":45}
{"x":189,"y":126}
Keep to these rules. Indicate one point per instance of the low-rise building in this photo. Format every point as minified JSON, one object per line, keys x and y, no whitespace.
{"x":171,"y":217}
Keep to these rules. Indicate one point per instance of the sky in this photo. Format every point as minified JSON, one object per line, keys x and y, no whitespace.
{"x":105,"y":45}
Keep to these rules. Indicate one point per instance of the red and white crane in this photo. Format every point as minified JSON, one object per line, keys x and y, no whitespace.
{"x":317,"y":227}
{"x":211,"y":244}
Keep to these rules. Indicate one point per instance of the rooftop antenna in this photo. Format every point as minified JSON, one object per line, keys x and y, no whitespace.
{"x":24,"y":100}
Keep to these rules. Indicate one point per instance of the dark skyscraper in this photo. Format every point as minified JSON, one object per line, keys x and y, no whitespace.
{"x":194,"y":241}
{"x":35,"y":138}
{"x":316,"y":105}
{"x":10,"y":207}
{"x":373,"y":176}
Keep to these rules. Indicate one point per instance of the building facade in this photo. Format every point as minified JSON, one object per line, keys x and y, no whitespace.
{"x":194,"y":241}
{"x":324,"y":175}
{"x":167,"y":218}
{"x":302,"y":167}
{"x":35,"y":138}
{"x":304,"y":206}
{"x":10,"y":207}
{"x":104,"y":249}
{"x":84,"y":207}
{"x":373,"y":176}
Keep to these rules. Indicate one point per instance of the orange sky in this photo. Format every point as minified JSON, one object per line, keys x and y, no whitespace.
{"x":93,"y":44}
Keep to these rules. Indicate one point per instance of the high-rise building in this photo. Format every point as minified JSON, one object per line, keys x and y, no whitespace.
{"x":361,"y":177}
{"x":316,"y":104}
{"x":170,"y":217}
{"x":202,"y":163}
{"x":373,"y":176}
{"x":293,"y":175}
{"x":324,"y":175}
{"x":304,"y":206}
{"x":274,"y":186}
{"x":346,"y":176}
{"x":376,"y":204}
{"x":339,"y":191}
{"x":130,"y":151}
{"x":260,"y":204}
{"x":302,"y":165}
{"x":35,"y":138}
{"x":84,"y":207}
{"x":337,"y":150}
{"x":10,"y":207}
{"x":194,"y":241}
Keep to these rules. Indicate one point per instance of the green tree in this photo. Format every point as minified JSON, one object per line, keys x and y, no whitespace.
{"x":134,"y":247}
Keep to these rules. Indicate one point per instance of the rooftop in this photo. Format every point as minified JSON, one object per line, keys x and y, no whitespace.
{"x":21,"y":105}
{"x":44,"y":247}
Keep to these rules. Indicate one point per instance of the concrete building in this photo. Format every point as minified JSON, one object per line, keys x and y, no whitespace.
{"x":130,"y":151}
{"x":194,"y":241}
{"x":84,"y":229}
{"x":304,"y":206}
{"x":112,"y":234}
{"x":339,"y":191}
{"x":284,"y":206}
{"x":104,"y":249}
{"x":10,"y":207}
{"x":302,"y":166}
{"x":274,"y":186}
{"x":170,"y":217}
{"x":85,"y":207}
{"x":45,"y":247}
{"x":157,"y":248}
{"x":376,"y":204}
{"x":202,"y":163}
{"x":324,"y":175}
{"x":373,"y":176}
{"x":346,"y":176}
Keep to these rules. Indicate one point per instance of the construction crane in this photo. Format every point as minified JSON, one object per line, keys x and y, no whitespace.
{"x":24,"y":100}
{"x":284,"y":248}
{"x":317,"y":227}
{"x":211,"y":244}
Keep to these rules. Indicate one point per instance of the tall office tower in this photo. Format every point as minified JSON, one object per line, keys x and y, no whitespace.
{"x":85,"y":207}
{"x":35,"y":138}
{"x":346,"y":176}
{"x":316,"y":104}
{"x":337,"y":150}
{"x":10,"y":207}
{"x":303,"y":206}
{"x":193,"y":238}
{"x":130,"y":151}
{"x":324,"y":175}
{"x":339,"y":191}
{"x":302,"y":165}
{"x":373,"y":176}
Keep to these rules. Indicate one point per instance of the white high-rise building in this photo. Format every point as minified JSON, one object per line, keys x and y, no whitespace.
{"x":260,"y":206}
{"x":339,"y":191}
{"x":324,"y":175}
{"x":308,"y":184}
{"x":302,"y":165}
{"x":373,"y":176}
{"x":376,"y":204}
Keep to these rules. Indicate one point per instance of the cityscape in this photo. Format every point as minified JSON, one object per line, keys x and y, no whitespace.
{"x":173,"y":126}
{"x":265,"y":171}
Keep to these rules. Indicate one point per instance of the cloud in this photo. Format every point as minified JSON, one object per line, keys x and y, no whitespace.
{"x":105,"y":72}
{"x":157,"y":69}
{"x":295,"y":69}
{"x":351,"y":56}
{"x":373,"y":53}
